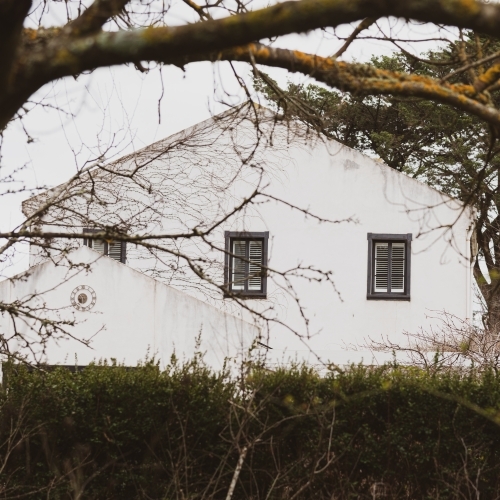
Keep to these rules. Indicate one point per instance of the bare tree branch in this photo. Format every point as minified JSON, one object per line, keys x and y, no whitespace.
{"x":363,"y":25}
{"x":93,"y":18}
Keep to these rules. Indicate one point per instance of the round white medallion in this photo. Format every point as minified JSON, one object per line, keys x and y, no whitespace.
{"x":83,"y":298}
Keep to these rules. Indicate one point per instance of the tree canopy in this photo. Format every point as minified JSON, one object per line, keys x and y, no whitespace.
{"x":444,"y":146}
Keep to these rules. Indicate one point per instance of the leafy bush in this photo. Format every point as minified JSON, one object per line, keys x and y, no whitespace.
{"x":187,"y":432}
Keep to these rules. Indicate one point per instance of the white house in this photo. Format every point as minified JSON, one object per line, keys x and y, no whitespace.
{"x":259,"y":236}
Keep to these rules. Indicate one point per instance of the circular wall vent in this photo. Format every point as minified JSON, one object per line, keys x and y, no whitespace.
{"x":83,"y":298}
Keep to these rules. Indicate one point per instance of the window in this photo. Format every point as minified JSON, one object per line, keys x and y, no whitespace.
{"x":117,"y":250}
{"x":389,"y":258}
{"x":245,"y":264}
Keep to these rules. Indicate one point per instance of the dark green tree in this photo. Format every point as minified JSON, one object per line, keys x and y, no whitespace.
{"x":445,"y":147}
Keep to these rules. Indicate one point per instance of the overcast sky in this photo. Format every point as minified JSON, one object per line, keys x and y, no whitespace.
{"x":122,"y":109}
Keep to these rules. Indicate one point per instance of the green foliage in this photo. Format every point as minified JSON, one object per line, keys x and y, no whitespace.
{"x":440,"y":145}
{"x":110,"y":432}
{"x":429,"y":141}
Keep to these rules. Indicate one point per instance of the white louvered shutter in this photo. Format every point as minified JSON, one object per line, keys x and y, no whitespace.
{"x":255,"y":266}
{"x":398,"y":268}
{"x":381,"y":267}
{"x":98,"y":245}
{"x":115,"y":250}
{"x":239,"y":265}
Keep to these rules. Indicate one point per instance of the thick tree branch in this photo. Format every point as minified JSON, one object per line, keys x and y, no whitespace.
{"x":12,"y":15}
{"x":67,"y":56}
{"x":363,"y":79}
{"x":355,"y":78}
{"x":488,"y":78}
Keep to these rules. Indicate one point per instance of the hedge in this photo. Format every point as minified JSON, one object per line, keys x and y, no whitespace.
{"x":107,"y":432}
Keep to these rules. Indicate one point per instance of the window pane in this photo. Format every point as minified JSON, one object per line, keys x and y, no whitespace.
{"x":98,"y":245}
{"x":238,"y":278}
{"x":255,"y":267}
{"x":115,"y":250}
{"x":398,"y":268}
{"x":381,"y":266}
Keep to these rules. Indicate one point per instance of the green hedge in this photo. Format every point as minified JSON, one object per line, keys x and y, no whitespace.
{"x":109,"y":432}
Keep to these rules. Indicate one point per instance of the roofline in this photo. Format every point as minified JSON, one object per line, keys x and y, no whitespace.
{"x":170,"y":138}
{"x":135,"y":271}
{"x":220,"y":116}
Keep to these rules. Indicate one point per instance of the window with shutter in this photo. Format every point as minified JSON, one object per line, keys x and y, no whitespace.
{"x":381,"y":266}
{"x":114,"y":249}
{"x":246,"y":260}
{"x":97,"y":245}
{"x":397,"y":267}
{"x":255,"y":265}
{"x":239,"y":265}
{"x":389,"y":266}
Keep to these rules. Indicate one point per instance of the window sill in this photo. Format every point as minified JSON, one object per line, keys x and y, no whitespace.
{"x":245,"y":296}
{"x":388,"y":296}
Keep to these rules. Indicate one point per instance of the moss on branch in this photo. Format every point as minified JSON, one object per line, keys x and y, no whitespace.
{"x":67,"y":53}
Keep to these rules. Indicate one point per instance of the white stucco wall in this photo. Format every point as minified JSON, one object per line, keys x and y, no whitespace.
{"x":327,"y":179}
{"x":336,"y":182}
{"x":134,"y":316}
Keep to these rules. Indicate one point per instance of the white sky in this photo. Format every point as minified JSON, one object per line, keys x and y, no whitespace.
{"x":119,"y":107}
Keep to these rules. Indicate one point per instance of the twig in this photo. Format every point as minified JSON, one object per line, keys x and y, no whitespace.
{"x":363,"y":25}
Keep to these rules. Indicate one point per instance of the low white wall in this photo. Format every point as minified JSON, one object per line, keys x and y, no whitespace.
{"x":134,"y":316}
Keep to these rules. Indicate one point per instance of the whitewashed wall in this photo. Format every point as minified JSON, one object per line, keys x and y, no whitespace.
{"x":336,"y":182}
{"x":134,"y":316}
{"x":331,"y":181}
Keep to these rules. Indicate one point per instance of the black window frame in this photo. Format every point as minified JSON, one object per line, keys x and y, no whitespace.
{"x":229,"y":237}
{"x":388,"y":238}
{"x":88,"y":243}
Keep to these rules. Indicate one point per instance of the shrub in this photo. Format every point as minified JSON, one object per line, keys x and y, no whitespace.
{"x":112,"y":432}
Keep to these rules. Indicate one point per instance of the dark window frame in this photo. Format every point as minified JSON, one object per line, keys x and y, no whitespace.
{"x":229,"y":237}
{"x":88,"y":243}
{"x":388,"y":238}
